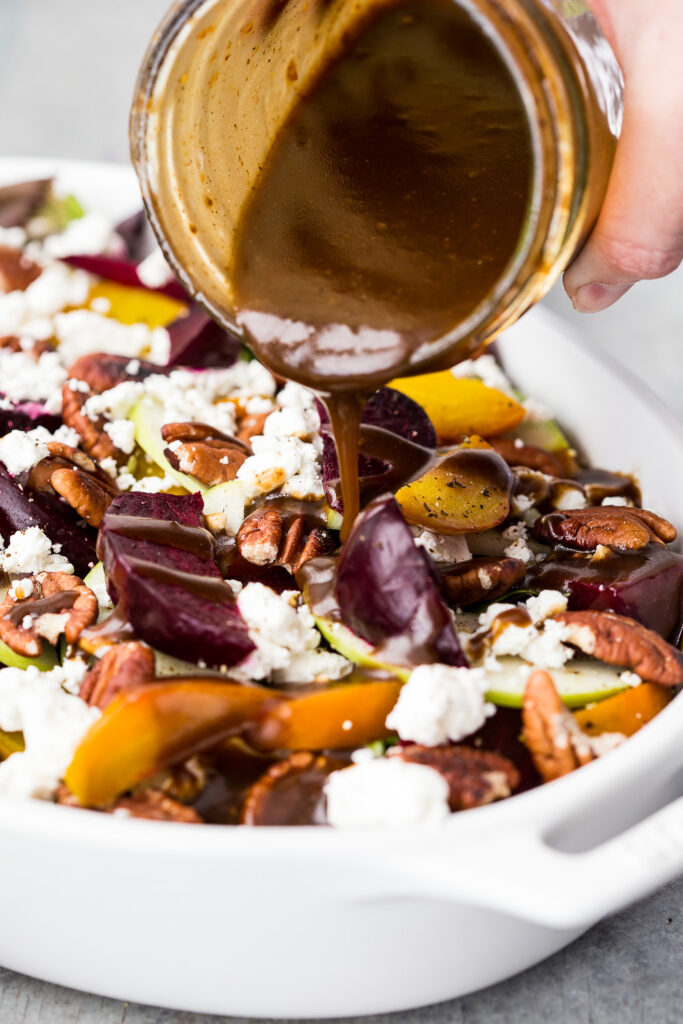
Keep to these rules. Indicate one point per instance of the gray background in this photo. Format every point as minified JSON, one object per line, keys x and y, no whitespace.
{"x":67,"y":69}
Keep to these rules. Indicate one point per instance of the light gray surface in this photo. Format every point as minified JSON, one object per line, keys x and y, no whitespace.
{"x":67,"y":69}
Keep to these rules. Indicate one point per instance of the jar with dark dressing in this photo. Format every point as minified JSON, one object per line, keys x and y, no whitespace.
{"x":366,"y":190}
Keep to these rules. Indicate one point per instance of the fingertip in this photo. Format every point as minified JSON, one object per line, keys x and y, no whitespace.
{"x":594,"y":297}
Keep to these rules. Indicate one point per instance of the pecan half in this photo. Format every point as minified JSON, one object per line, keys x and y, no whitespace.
{"x":251,"y":425}
{"x":77,"y":479}
{"x":474,"y":777}
{"x":621,"y":641}
{"x":58,"y":603}
{"x":17,"y":271}
{"x":291,"y":791}
{"x":149,"y":804}
{"x":124,"y":665}
{"x":614,"y":526}
{"x":203,"y":452}
{"x":555,"y":741}
{"x":269,"y":537}
{"x":516,"y":453}
{"x":481,"y":579}
{"x":94,"y":438}
{"x":102,"y":371}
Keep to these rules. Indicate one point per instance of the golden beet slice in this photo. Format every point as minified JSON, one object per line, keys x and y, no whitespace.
{"x":458,"y":406}
{"x":466,"y":491}
{"x":626,"y":712}
{"x":137,"y":305}
{"x":148,"y":727}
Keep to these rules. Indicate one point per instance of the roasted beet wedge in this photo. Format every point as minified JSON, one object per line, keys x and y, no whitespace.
{"x":122,"y":271}
{"x":387,"y":594}
{"x":136,"y":235}
{"x":27,"y":416}
{"x":198,"y":341}
{"x":21,"y":508}
{"x":19,"y":202}
{"x":161,"y":572}
{"x":646,"y":585}
{"x":390,"y":411}
{"x":386,"y":462}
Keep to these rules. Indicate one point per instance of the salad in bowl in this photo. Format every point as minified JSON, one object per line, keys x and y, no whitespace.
{"x":183,"y":636}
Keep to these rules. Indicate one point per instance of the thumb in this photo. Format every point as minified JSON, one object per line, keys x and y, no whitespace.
{"x":639,"y":233}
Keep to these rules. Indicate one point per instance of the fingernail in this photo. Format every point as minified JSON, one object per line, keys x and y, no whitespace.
{"x":593,"y":298}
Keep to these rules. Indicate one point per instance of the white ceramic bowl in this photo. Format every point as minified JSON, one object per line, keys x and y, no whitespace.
{"x":304,"y":922}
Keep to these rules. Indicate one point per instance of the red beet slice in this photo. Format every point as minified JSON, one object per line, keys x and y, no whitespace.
{"x":136,"y":235}
{"x":161,"y":572}
{"x":390,"y":411}
{"x":19,"y":202}
{"x":122,"y":271}
{"x":198,"y":341}
{"x":387,"y":593}
{"x":27,"y":416}
{"x":21,"y":508}
{"x":646,"y":585}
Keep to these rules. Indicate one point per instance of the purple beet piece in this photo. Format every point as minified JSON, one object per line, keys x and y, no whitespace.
{"x":21,"y":508}
{"x":122,"y":271}
{"x":502,"y":733}
{"x":27,"y":416}
{"x":387,"y":593}
{"x":646,"y":585}
{"x":134,"y":231}
{"x":391,"y":411}
{"x":198,"y":341}
{"x":19,"y":202}
{"x":171,"y":592}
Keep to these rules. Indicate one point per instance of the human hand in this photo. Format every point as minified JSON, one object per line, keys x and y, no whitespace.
{"x":639,"y":234}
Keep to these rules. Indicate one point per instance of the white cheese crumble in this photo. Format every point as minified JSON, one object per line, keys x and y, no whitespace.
{"x":440,"y":703}
{"x":442,"y":547}
{"x":22,"y":450}
{"x":154,"y":271}
{"x":287,"y":642}
{"x":488,"y":371}
{"x":90,"y":235}
{"x":541,"y":642}
{"x":547,"y":604}
{"x":122,"y":433}
{"x":630,"y":678}
{"x":31,"y":551}
{"x":24,"y":378}
{"x":83,"y":332}
{"x":386,"y":791}
{"x":57,"y":287}
{"x":53,"y":722}
{"x":21,"y":589}
{"x":285,"y":463}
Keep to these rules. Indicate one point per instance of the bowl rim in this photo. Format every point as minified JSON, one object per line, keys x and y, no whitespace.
{"x":545,"y":805}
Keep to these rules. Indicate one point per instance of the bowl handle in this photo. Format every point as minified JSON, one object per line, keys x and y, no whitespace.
{"x":519,"y":873}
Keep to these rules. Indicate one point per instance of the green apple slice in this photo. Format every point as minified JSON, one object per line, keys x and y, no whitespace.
{"x":224,"y":506}
{"x":46,"y":660}
{"x":579,"y":682}
{"x":148,"y":417}
{"x":352,"y":647}
{"x":166,"y":666}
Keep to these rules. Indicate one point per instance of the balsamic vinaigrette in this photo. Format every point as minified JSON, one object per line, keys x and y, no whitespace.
{"x":390,"y":205}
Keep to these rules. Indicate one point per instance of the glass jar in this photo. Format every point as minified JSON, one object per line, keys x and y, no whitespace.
{"x":221,"y":76}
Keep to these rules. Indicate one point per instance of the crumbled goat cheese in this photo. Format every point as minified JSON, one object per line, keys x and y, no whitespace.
{"x":440,"y":703}
{"x":30,"y":551}
{"x":89,"y":235}
{"x":544,"y":647}
{"x":28,"y":312}
{"x":282,"y":462}
{"x":547,"y":604}
{"x":535,"y":411}
{"x":100,"y":304}
{"x":521,"y":550}
{"x":286,"y":639}
{"x":116,"y":403}
{"x":53,"y":722}
{"x":22,"y":450}
{"x":12,"y":238}
{"x":146,"y":485}
{"x":386,"y":791}
{"x":23,"y":378}
{"x":617,"y":499}
{"x":566,"y":498}
{"x":293,"y":422}
{"x":154,"y":271}
{"x":442,"y":547}
{"x":83,"y":332}
{"x":630,"y":678}
{"x":122,"y":433}
{"x":21,"y":589}
{"x":487,"y":370}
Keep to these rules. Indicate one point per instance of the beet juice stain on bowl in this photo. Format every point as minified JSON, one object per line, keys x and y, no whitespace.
{"x":366,"y":191}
